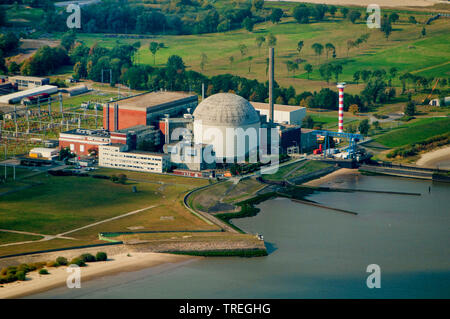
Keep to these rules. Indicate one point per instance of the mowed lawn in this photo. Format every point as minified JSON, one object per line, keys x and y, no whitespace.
{"x":414,"y":132}
{"x":61,"y":204}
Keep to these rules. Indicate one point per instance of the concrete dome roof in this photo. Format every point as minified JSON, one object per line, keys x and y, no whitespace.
{"x":226,"y":109}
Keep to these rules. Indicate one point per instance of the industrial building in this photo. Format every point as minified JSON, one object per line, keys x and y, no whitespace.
{"x":220,"y":119}
{"x":283,"y":114}
{"x":44,"y":153}
{"x":76,"y":90}
{"x":82,"y":141}
{"x":18,"y":96}
{"x":145,"y":109}
{"x":191,"y":156}
{"x":118,"y":156}
{"x":169,"y":125}
{"x":141,"y":133}
{"x":28,"y":82}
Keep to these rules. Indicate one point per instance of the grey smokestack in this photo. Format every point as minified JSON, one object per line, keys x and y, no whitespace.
{"x":271,"y":77}
{"x":116,"y":117}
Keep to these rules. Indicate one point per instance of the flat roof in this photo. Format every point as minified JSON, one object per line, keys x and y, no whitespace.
{"x":153,"y":99}
{"x":277,"y":107}
{"x":86,"y":132}
{"x":29,"y":78}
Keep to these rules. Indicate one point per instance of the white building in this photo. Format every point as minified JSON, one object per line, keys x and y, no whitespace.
{"x":116,"y":156}
{"x":18,"y":96}
{"x":283,"y":114}
{"x":229,"y":123}
{"x":43,"y":152}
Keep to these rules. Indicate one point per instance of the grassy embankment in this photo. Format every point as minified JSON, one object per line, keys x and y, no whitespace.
{"x":62,"y":204}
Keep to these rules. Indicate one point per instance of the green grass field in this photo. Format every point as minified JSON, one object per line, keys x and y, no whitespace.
{"x":62,"y":204}
{"x":404,"y":50}
{"x":413,"y":132}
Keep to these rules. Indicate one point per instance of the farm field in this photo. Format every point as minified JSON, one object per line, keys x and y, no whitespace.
{"x":64,"y":204}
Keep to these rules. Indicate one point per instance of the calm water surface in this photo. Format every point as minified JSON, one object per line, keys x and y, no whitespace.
{"x":316,"y":253}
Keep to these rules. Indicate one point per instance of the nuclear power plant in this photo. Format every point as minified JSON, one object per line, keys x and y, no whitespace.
{"x":161,"y":131}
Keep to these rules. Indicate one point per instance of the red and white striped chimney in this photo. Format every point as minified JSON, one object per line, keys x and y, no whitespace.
{"x":341,"y":87}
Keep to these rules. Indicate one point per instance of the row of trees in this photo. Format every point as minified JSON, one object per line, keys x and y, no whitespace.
{"x":173,"y":17}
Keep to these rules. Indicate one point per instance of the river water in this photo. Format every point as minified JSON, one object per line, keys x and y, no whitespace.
{"x":315,"y":252}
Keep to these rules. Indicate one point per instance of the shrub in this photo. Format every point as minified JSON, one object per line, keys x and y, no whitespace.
{"x":77,"y":261}
{"x":37,"y":265}
{"x":3,"y":271}
{"x":21,"y":275}
{"x":43,"y":271}
{"x":88,"y":258}
{"x":101,"y":256}
{"x":52,"y":264}
{"x":61,"y":261}
{"x":24,"y":267}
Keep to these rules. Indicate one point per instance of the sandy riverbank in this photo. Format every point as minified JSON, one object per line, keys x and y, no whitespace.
{"x":381,"y":3}
{"x":36,"y":283}
{"x":433,"y":158}
{"x":334,"y":178}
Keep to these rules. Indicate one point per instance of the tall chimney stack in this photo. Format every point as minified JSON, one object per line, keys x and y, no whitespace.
{"x":341,"y":87}
{"x":271,"y":79}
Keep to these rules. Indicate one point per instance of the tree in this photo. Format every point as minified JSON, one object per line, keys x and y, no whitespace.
{"x":350,"y":45}
{"x":353,"y":109}
{"x":356,"y":76}
{"x":300,"y":45}
{"x":329,"y":47}
{"x":364,"y":127}
{"x":248,"y":24}
{"x":308,"y":122}
{"x":271,"y":40}
{"x":354,"y":16}
{"x":376,"y":125}
{"x":301,"y":14}
{"x":410,"y":108}
{"x":259,"y":41}
{"x":424,"y":32}
{"x":250,"y":58}
{"x":412,"y":20}
{"x":326,"y":70}
{"x":386,"y":26}
{"x":394,"y":17}
{"x":288,"y":66}
{"x":332,"y":10}
{"x":318,"y":48}
{"x":393,"y":72}
{"x":68,"y":39}
{"x":231,"y":59}
{"x":308,"y":68}
{"x":243,"y":49}
{"x":203,"y":60}
{"x":276,"y":15}
{"x":154,"y":47}
{"x":294,"y":67}
{"x":344,"y":12}
{"x":337,"y":70}
{"x":258,"y":4}
{"x":319,"y":11}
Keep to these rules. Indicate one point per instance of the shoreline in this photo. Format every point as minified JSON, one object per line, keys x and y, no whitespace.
{"x":334,"y":177}
{"x":433,"y":158}
{"x":115,"y":264}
